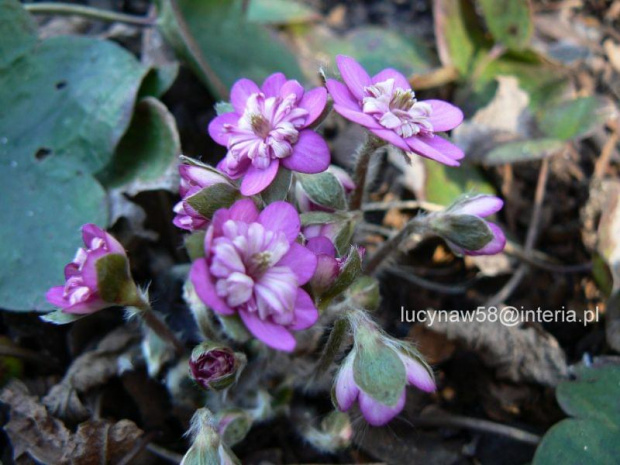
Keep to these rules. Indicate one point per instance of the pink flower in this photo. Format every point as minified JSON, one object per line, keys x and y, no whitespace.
{"x":481,"y":206}
{"x":307,"y":205}
{"x":347,"y":391}
{"x":80,"y":293}
{"x":268,"y":128}
{"x":193,"y":179}
{"x":386,"y":105}
{"x":254,"y":267}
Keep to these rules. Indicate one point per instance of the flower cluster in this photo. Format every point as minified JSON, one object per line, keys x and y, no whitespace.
{"x":266,"y":266}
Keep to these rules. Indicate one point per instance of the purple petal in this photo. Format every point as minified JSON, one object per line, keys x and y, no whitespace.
{"x":496,"y":245}
{"x":357,"y":116}
{"x":354,"y":76}
{"x":314,"y":103}
{"x":281,"y":217}
{"x":301,"y":261}
{"x":342,"y":95}
{"x":243,"y":210}
{"x":272,"y":85}
{"x":444,"y":116}
{"x":241,"y":90}
{"x":321,"y":246}
{"x":436,"y":148}
{"x":257,"y":180}
{"x":378,"y":414}
{"x":91,"y":231}
{"x":391,"y":137}
{"x":400,"y":81}
{"x":273,"y":335}
{"x":55,"y":296}
{"x":306,"y":313}
{"x":310,"y":154}
{"x":346,"y":391}
{"x":92,"y":305}
{"x":327,"y":270}
{"x":418,"y":375}
{"x":292,"y":87}
{"x":480,"y":205}
{"x":216,"y":127}
{"x":203,"y":284}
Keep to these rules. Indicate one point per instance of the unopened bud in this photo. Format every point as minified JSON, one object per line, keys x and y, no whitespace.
{"x":214,"y":366}
{"x":207,"y":447}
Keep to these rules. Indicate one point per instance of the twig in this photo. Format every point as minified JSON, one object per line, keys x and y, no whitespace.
{"x":390,"y":246}
{"x":606,"y":152}
{"x":142,"y":443}
{"x":195,"y":51}
{"x":542,"y":261}
{"x":477,"y":424}
{"x":46,"y":8}
{"x":453,"y":289}
{"x":164,"y":453}
{"x":24,"y":354}
{"x":530,"y":239}
{"x":402,"y":205}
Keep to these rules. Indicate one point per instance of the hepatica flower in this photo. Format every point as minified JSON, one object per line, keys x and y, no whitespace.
{"x":254,"y":267}
{"x":268,"y":129}
{"x":193,"y":179}
{"x":80,"y":294}
{"x":386,"y":105}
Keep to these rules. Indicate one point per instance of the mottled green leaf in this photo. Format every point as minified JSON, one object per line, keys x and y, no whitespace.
{"x":443,"y":184}
{"x":225,"y":46}
{"x":510,"y":21}
{"x":573,"y":119}
{"x":210,"y":199}
{"x":280,"y":12}
{"x":148,"y":148}
{"x":323,"y":189}
{"x":279,"y":187}
{"x":18,"y":32}
{"x":520,"y":151}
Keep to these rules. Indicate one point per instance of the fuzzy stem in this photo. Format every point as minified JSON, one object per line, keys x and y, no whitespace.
{"x":159,"y":327}
{"x":361,"y":169}
{"x":87,"y":12}
{"x":391,"y":245}
{"x":332,"y":347}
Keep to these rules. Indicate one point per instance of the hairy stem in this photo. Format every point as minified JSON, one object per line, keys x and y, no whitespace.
{"x":332,"y":347}
{"x":159,"y":327}
{"x":361,"y":169}
{"x":391,"y":245}
{"x":46,"y":8}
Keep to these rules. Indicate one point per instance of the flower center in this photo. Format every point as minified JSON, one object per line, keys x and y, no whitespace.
{"x":247,"y":275}
{"x":397,"y":109}
{"x":268,"y":129}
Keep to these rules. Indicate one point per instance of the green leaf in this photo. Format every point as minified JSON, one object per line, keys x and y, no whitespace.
{"x":521,"y":151}
{"x":443,"y":184}
{"x":114,"y":280}
{"x":324,"y":189}
{"x":159,"y":80}
{"x":510,"y":21}
{"x":230,"y":46}
{"x":61,"y":318}
{"x":210,"y":199}
{"x":591,"y":436}
{"x":573,"y":119}
{"x":18,"y":32}
{"x":460,"y":38}
{"x":279,"y":187}
{"x":148,"y":148}
{"x":280,"y":12}
{"x":309,"y":218}
{"x":351,"y":270}
{"x":377,"y":369}
{"x":374,"y":47}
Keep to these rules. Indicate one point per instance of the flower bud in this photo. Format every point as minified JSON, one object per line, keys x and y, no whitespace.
{"x":97,"y":278}
{"x":195,"y":180}
{"x":462,"y":227}
{"x":233,"y":425}
{"x":333,"y":434}
{"x":215,"y":366}
{"x":207,"y":446}
{"x":325,"y":191}
{"x":364,"y":293}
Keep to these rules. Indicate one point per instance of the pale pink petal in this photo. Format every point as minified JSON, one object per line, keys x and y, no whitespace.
{"x":281,"y":217}
{"x":273,"y":335}
{"x":257,"y":180}
{"x":480,"y":205}
{"x":217,"y":130}
{"x":272,"y":85}
{"x":327,"y":270}
{"x":346,"y":391}
{"x":241,"y":90}
{"x":418,"y":375}
{"x":205,"y":288}
{"x":310,"y":154}
{"x":378,"y":414}
{"x":321,"y":246}
{"x":301,"y":261}
{"x":354,"y":76}
{"x":357,"y":116}
{"x":55,"y":296}
{"x":92,"y":305}
{"x":243,"y":210}
{"x":306,"y":314}
{"x":444,"y":116}
{"x":400,"y":81}
{"x":292,"y":87}
{"x":314,"y":103}
{"x":342,"y":95}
